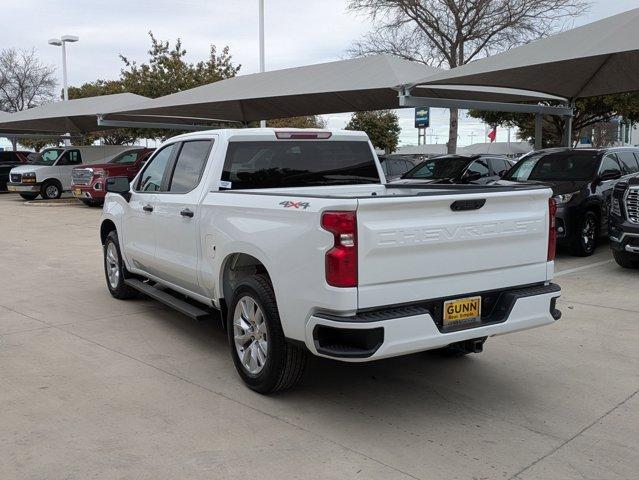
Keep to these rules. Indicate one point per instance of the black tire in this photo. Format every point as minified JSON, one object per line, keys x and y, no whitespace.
{"x":118,"y":289}
{"x":92,"y":203}
{"x":29,"y":196}
{"x":626,"y":260}
{"x":51,"y":190}
{"x":285,"y":363}
{"x":586,"y":236}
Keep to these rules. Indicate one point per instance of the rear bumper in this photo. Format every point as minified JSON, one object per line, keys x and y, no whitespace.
{"x":22,"y":188}
{"x":409,"y":329}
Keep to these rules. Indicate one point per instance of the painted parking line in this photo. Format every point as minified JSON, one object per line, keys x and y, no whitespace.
{"x":584,"y":267}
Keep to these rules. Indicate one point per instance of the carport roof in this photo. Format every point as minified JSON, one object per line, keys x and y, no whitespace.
{"x":77,"y":116}
{"x":365,"y":83}
{"x":596,"y":59}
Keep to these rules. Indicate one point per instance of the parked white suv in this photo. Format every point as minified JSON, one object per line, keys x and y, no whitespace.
{"x":50,"y":172}
{"x":295,"y":238}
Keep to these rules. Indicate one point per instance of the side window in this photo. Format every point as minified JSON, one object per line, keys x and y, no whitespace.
{"x":71,"y":157}
{"x":189,"y":165}
{"x":479,"y":166}
{"x":628,"y":162}
{"x":609,"y":163}
{"x":151,"y":178}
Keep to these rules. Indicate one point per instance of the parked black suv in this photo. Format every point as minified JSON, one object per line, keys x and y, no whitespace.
{"x":479,"y":169}
{"x":624,"y":223}
{"x":8,"y":160}
{"x":582,"y":181}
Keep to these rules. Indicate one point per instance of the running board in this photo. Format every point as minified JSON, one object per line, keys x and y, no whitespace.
{"x":169,"y":300}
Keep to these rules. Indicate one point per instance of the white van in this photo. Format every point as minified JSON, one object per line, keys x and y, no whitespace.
{"x":49,"y":173}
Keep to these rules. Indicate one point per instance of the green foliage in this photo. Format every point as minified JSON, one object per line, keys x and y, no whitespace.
{"x":37,"y":144}
{"x":310,"y":121}
{"x":381,"y":126}
{"x":588,"y":112}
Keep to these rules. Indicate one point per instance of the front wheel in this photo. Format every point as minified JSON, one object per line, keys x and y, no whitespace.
{"x":51,"y":190}
{"x":626,"y":260}
{"x":264,"y":359}
{"x":114,"y":269}
{"x":586,"y":235}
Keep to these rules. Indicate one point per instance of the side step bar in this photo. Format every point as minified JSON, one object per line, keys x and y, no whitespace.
{"x":169,"y":300}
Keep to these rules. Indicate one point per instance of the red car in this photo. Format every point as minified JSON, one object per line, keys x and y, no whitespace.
{"x":89,"y":181}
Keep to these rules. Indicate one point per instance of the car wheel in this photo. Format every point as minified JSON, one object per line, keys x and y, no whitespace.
{"x":264,"y":359}
{"x":114,"y":269}
{"x":51,"y":190}
{"x":626,"y":260}
{"x":586,"y":236}
{"x":29,"y":196}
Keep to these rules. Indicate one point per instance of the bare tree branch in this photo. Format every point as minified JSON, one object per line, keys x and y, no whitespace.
{"x":25,"y":81}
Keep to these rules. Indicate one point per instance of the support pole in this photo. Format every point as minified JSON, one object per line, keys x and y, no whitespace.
{"x":262,"y":55}
{"x":568,"y":126}
{"x":539,"y":119}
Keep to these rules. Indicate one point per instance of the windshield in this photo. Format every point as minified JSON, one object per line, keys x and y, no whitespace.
{"x":274,"y":164}
{"x":439,"y":168}
{"x":127,"y":158}
{"x":569,"y":166}
{"x":48,"y":156}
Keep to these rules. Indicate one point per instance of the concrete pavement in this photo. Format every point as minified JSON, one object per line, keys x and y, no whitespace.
{"x":92,"y":387}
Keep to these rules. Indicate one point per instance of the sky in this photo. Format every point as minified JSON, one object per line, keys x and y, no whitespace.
{"x":297,"y":33}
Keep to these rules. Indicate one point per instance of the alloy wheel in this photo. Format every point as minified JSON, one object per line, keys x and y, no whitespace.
{"x":588,"y":234}
{"x":250,"y":335}
{"x":112,"y":265}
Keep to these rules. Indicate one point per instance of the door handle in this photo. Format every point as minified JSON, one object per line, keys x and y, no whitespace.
{"x":147,"y":208}
{"x":186,"y":213}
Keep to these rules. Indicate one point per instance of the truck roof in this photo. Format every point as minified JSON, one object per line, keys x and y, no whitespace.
{"x":257,"y":134}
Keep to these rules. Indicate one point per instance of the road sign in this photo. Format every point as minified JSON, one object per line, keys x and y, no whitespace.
{"x":422,"y":117}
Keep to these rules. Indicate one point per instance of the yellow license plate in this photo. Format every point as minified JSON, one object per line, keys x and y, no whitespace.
{"x":77,"y":192}
{"x":11,"y":188}
{"x":461,"y":311}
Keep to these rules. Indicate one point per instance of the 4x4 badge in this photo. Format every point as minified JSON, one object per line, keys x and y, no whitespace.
{"x":292,"y":204}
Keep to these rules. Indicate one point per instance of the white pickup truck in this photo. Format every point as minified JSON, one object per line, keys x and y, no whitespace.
{"x":295,"y":238}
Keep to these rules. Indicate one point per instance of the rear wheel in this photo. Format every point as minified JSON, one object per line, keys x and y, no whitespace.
{"x":264,"y":359}
{"x":586,"y":235}
{"x":51,"y":190}
{"x":114,"y":269}
{"x":29,"y":196}
{"x":626,"y":260}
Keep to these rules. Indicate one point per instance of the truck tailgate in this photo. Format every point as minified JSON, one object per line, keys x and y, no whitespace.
{"x":417,"y":248}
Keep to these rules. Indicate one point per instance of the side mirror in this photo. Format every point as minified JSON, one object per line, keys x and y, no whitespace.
{"x":471,"y":176}
{"x":609,"y":175}
{"x":119,"y":185}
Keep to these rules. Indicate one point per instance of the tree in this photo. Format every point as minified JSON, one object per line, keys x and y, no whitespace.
{"x":588,"y":113}
{"x":25,"y":81}
{"x":310,"y":121}
{"x":451,"y":33}
{"x":381,"y":126}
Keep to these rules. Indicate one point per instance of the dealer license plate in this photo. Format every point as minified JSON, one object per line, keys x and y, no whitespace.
{"x":77,"y":192}
{"x":462,"y":311}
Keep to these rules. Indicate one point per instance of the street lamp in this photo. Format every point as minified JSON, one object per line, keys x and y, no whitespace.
{"x":60,"y":42}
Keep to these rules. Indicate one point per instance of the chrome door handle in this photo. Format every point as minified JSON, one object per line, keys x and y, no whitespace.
{"x":147,"y":208}
{"x":186,"y":213}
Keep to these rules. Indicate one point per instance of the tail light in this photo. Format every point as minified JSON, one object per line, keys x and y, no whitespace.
{"x":341,"y":260}
{"x":552,"y":232}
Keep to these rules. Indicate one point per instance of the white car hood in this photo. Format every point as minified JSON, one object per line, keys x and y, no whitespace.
{"x":28,"y":168}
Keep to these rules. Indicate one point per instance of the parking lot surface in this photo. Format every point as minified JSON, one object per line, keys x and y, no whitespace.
{"x":93,"y":387}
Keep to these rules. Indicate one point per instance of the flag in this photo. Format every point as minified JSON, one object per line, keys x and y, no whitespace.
{"x":492,"y":135}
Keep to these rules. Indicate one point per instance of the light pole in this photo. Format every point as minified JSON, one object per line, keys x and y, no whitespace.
{"x":262,"y":62}
{"x":61,"y":42}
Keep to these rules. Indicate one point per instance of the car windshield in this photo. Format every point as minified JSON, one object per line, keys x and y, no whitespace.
{"x":438,"y":168}
{"x":570,"y":166}
{"x":127,"y":158}
{"x":48,"y":156}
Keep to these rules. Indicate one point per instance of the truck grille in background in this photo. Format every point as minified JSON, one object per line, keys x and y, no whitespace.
{"x":632,"y":205}
{"x":16,"y":178}
{"x":82,"y":176}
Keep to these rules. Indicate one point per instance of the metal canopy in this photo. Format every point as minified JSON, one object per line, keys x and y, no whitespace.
{"x":73,"y":116}
{"x":596,"y":59}
{"x":359,"y":84}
